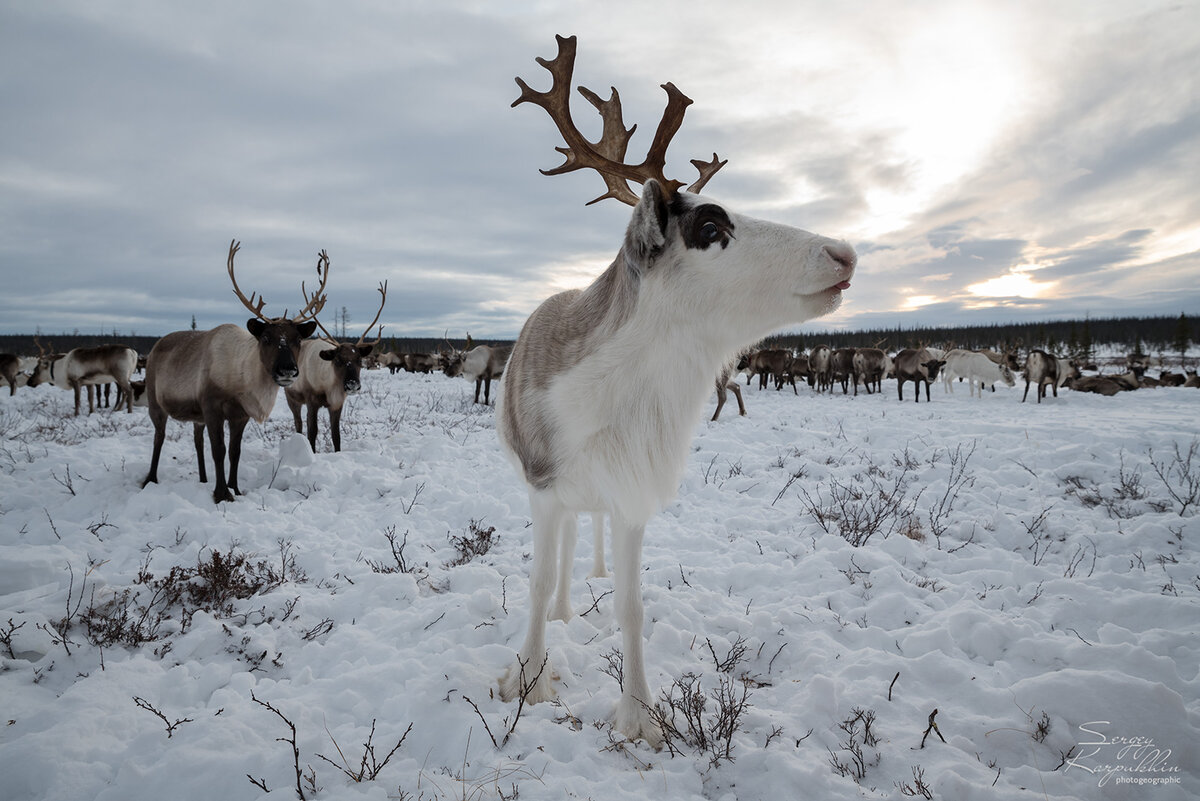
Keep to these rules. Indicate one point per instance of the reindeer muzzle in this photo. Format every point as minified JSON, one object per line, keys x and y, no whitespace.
{"x":352,"y":385}
{"x":286,"y":377}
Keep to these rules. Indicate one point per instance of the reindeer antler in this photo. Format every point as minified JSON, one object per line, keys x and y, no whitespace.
{"x":382,"y":300}
{"x":256,"y":310}
{"x":317,"y":301}
{"x":607,"y":155}
{"x":314,"y":303}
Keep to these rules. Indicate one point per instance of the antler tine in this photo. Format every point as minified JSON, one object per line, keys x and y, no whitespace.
{"x":668,"y":126}
{"x":606,"y":156}
{"x":326,"y":336}
{"x":707,"y":169}
{"x":256,"y":309}
{"x":614,"y":141}
{"x":315,"y":302}
{"x":382,"y":300}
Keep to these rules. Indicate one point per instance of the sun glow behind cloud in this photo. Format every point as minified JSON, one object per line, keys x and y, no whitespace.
{"x":953,"y":87}
{"x":1015,"y":284}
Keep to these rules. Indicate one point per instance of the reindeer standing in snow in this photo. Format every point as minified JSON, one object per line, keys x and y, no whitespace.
{"x":606,"y":384}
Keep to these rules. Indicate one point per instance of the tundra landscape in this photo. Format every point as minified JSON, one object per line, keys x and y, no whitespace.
{"x":547,"y":566}
{"x":834,"y":570}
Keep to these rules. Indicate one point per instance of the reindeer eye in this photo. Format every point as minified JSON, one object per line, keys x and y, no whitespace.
{"x":710,"y":232}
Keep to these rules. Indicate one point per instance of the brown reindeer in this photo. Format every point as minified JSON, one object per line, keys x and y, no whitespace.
{"x":774,"y":364}
{"x":870,"y":365}
{"x":329,"y":371}
{"x":841,"y":370}
{"x":917,"y":366}
{"x":225,"y":374}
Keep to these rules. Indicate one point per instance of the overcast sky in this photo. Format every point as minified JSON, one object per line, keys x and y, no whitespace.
{"x":991,"y":161}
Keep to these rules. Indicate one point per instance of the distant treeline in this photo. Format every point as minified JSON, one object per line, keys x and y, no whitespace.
{"x":1076,"y":338}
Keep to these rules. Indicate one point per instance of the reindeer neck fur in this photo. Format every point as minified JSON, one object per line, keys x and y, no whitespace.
{"x":631,"y":409}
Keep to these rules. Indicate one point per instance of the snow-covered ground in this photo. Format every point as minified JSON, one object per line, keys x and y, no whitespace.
{"x":1030,"y":578}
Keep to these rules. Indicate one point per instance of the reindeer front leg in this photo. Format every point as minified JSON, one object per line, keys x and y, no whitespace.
{"x":335,"y":427}
{"x":216,"y":440}
{"x":566,"y":561}
{"x":312,"y":426}
{"x":598,"y":570}
{"x":632,"y":716}
{"x":532,"y":676}
{"x":198,"y":437}
{"x":236,"y":428}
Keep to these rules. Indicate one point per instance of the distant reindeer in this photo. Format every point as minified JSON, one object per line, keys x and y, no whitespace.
{"x":482,"y":363}
{"x":227,"y":374}
{"x":1041,"y":369}
{"x":88,"y":367}
{"x":12,"y":367}
{"x":918,"y":365}
{"x":606,"y":384}
{"x":330,"y":371}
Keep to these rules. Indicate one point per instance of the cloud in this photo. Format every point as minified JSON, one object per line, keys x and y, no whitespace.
{"x":947,"y":142}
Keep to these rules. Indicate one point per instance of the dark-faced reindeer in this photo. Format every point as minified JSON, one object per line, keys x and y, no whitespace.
{"x":87,"y":367}
{"x":606,"y":384}
{"x":227,"y":374}
{"x":330,"y":371}
{"x":917,"y":366}
{"x":482,"y":363}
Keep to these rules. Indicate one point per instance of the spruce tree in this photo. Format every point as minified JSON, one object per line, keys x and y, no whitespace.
{"x":1182,"y":337}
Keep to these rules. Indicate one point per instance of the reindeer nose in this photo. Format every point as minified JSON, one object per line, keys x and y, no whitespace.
{"x":286,"y":376}
{"x":843,"y":254}
{"x":352,"y":386}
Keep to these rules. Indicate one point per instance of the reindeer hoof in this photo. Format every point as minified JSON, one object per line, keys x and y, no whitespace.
{"x":633,"y":721}
{"x":532,"y":689}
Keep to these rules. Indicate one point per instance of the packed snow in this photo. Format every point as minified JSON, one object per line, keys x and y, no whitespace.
{"x":1021,"y":569}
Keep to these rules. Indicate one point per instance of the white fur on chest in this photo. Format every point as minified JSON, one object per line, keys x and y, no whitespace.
{"x":625,"y":417}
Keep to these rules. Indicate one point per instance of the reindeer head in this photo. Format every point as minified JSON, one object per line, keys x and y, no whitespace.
{"x":347,"y":359}
{"x":452,"y":358}
{"x":697,"y":249}
{"x":279,"y":338}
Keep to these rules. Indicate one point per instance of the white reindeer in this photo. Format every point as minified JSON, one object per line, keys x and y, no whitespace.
{"x":606,"y":384}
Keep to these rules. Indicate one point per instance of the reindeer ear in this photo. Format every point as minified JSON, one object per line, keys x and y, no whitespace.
{"x":255,"y":326}
{"x":647,"y":231}
{"x":306,"y":329}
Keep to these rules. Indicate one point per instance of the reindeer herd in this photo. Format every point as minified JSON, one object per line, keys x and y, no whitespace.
{"x":603,"y":387}
{"x":825,"y":368}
